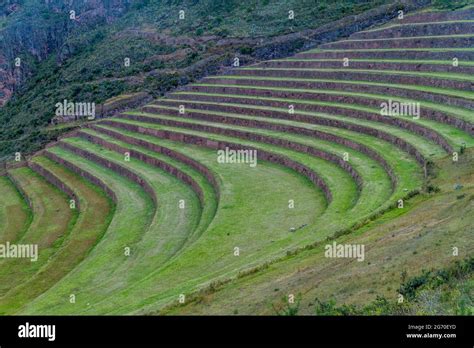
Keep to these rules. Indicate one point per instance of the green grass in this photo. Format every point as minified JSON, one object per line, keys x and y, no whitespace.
{"x":444,"y":49}
{"x":15,"y":215}
{"x":412,"y":37}
{"x":376,"y":184}
{"x":191,"y":251}
{"x":210,"y":199}
{"x":389,"y":26}
{"x":446,"y":91}
{"x":250,"y":202}
{"x":455,"y":136}
{"x":96,"y":211}
{"x":344,"y":197}
{"x":426,"y":146}
{"x":94,"y":69}
{"x":410,"y":240}
{"x":366,"y":202}
{"x":51,"y":225}
{"x":171,"y":226}
{"x":368,"y":60}
{"x":405,"y":167}
{"x":132,"y":217}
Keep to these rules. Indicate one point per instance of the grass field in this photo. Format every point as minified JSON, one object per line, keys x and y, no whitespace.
{"x":164,"y":225}
{"x":15,"y":215}
{"x":396,"y":243}
{"x":51,"y":225}
{"x":94,"y":216}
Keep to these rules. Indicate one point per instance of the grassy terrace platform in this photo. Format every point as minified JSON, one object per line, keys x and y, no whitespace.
{"x":426,"y":146}
{"x":95,"y":213}
{"x":266,"y":73}
{"x":457,"y":112}
{"x":451,"y":134}
{"x":299,"y":158}
{"x":407,"y":178}
{"x":158,"y":300}
{"x":15,"y":215}
{"x":160,"y":216}
{"x":239,"y":191}
{"x":463,"y":54}
{"x":417,"y":29}
{"x":383,"y":148}
{"x":368,"y":72}
{"x":408,"y":62}
{"x":133,"y":215}
{"x":210,"y":194}
{"x":50,"y":227}
{"x":171,"y":224}
{"x":286,"y":80}
{"x":395,"y":241}
{"x":431,"y":49}
{"x":458,"y":41}
{"x":375,"y":181}
{"x":378,"y":178}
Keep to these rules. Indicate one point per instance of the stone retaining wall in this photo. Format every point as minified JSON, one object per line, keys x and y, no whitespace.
{"x":208,"y":174}
{"x":361,"y":86}
{"x":294,"y":63}
{"x":428,"y":29}
{"x":117,"y":168}
{"x":396,"y":54}
{"x":343,"y":81}
{"x":295,"y":130}
{"x":407,"y":147}
{"x":421,"y":42}
{"x":350,"y":100}
{"x":180,"y":175}
{"x":436,"y":16}
{"x":55,"y":181}
{"x":204,"y":142}
{"x":20,"y":189}
{"x":397,"y":122}
{"x":82,"y":173}
{"x":283,"y":143}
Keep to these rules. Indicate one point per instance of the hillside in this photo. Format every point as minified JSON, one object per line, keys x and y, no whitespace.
{"x":222,"y":196}
{"x":82,"y":59}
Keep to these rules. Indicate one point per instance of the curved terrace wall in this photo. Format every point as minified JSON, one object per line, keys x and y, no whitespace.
{"x":204,"y":142}
{"x":114,"y":167}
{"x":180,"y":175}
{"x":302,"y":105}
{"x":293,"y":145}
{"x":402,"y":144}
{"x":346,"y":99}
{"x":165,"y":151}
{"x":55,"y":181}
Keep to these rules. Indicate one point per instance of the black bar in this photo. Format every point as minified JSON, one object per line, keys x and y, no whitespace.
{"x":209,"y":330}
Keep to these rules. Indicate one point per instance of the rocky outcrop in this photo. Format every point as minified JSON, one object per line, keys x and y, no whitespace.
{"x":42,"y":29}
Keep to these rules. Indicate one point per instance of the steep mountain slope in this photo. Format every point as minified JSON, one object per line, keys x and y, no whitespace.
{"x":234,"y":185}
{"x":83,"y":59}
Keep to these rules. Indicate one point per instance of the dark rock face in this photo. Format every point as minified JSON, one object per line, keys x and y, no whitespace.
{"x":34,"y":31}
